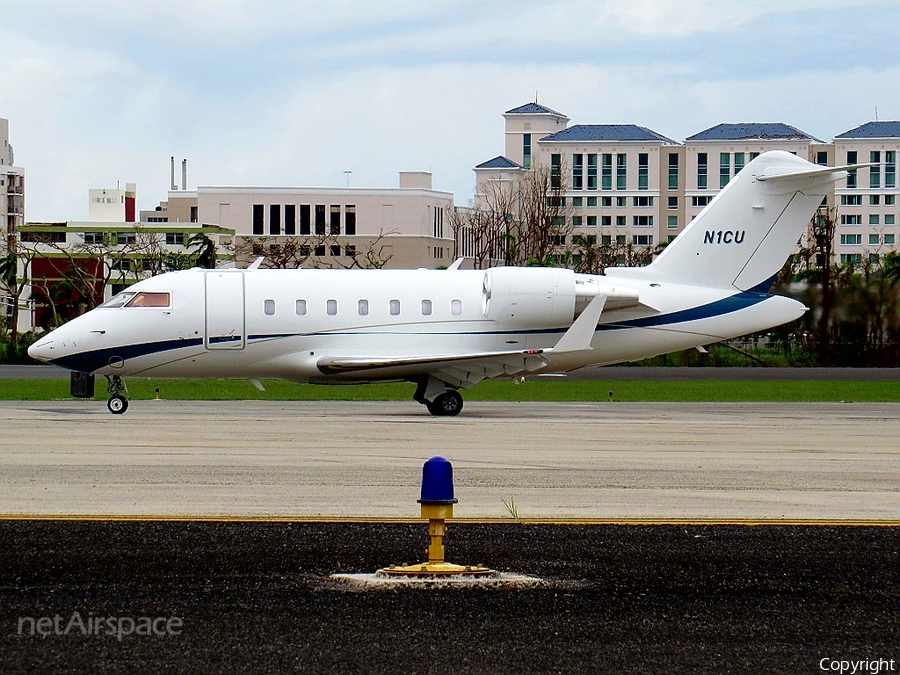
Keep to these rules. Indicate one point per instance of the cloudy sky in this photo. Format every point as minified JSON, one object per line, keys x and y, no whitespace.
{"x":274,"y":92}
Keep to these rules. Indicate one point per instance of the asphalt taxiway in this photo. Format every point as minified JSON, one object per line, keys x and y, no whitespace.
{"x":552,"y":460}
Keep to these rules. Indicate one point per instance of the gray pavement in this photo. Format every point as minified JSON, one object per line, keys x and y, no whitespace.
{"x":553,"y":460}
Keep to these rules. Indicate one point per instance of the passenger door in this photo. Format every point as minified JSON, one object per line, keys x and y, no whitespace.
{"x":225,"y":323}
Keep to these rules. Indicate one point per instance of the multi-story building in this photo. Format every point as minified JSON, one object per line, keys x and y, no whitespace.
{"x":400,"y":227}
{"x":12,"y":207}
{"x":626,"y":184}
{"x":867,"y":200}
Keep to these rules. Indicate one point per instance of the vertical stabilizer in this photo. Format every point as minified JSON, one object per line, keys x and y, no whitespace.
{"x":746,"y":233}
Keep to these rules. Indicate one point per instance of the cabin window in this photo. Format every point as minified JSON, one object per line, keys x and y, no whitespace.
{"x":395,"y":307}
{"x":149,"y":299}
{"x":363,"y":307}
{"x":117,"y":300}
{"x":300,"y":307}
{"x":426,"y":307}
{"x":456,"y":307}
{"x":269,"y":307}
{"x":331,"y":307}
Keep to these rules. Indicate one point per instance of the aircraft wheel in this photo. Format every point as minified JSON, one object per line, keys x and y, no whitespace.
{"x":448,"y":404}
{"x":117,"y":404}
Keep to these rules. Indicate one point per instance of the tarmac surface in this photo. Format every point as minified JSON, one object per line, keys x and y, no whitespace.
{"x":175,"y":497}
{"x":256,"y":597}
{"x":552,"y":460}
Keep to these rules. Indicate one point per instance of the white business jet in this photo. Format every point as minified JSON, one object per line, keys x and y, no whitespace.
{"x":449,"y":329}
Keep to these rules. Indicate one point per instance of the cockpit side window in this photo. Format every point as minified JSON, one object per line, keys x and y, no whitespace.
{"x":118,"y":300}
{"x":149,"y":299}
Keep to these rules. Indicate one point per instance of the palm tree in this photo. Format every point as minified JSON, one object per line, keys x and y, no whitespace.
{"x":205,"y":248}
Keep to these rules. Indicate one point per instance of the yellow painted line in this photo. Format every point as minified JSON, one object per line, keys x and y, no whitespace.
{"x":155,"y":518}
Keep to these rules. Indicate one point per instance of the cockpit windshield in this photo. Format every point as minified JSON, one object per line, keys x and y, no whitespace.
{"x":143,"y":299}
{"x":117,"y":300}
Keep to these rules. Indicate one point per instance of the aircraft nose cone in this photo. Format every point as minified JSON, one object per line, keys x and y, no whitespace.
{"x":42,"y":350}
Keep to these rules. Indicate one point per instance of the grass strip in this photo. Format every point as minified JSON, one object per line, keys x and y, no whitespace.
{"x":538,"y":390}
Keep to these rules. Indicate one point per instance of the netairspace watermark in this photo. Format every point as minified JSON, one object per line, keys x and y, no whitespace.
{"x":90,"y":625}
{"x":858,"y":666}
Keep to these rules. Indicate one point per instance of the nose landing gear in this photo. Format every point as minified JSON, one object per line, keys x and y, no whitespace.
{"x":118,"y":395}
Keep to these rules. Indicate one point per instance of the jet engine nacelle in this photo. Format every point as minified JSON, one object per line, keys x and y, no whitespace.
{"x":537,"y":297}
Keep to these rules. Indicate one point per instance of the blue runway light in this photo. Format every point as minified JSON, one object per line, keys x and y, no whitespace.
{"x":437,"y":482}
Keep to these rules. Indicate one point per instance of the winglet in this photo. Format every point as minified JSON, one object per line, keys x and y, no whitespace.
{"x":581,"y":332}
{"x":456,"y":264}
{"x":256,"y":263}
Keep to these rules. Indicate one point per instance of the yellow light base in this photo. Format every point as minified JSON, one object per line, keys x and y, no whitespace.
{"x":436,"y":570}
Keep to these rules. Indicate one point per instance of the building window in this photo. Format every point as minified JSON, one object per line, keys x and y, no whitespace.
{"x":592,"y":221}
{"x":724,"y":169}
{"x":258,"y":215}
{"x":673,"y":170}
{"x":851,"y":239}
{"x":643,"y":171}
{"x":305,"y":220}
{"x":456,"y":307}
{"x":850,"y":258}
{"x":702,"y":170}
{"x":642,"y":221}
{"x":275,"y":219}
{"x":621,"y":171}
{"x":97,"y":238}
{"x":125,"y":238}
{"x":605,"y":240}
{"x":331,"y":307}
{"x":576,"y":221}
{"x":577,"y":172}
{"x":620,"y":240}
{"x":620,"y":221}
{"x":851,"y":174}
{"x":319,"y":250}
{"x":874,"y":240}
{"x":555,"y":171}
{"x":592,"y":202}
{"x":172,"y":239}
{"x":395,"y":307}
{"x":577,"y":202}
{"x":526,"y":151}
{"x":606,"y":221}
{"x":350,"y":250}
{"x":890,"y":200}
{"x":889,"y":240}
{"x":889,"y":219}
{"x":592,"y":172}
{"x":642,"y":240}
{"x":673,"y":203}
{"x":738,"y":162}
{"x":672,"y":223}
{"x":335,"y":250}
{"x":822,"y":158}
{"x":851,"y":220}
{"x":320,"y":219}
{"x":875,"y":171}
{"x":426,"y":308}
{"x":851,"y":200}
{"x":890,"y":168}
{"x":873,"y":219}
{"x":874,"y":200}
{"x":300,"y":307}
{"x":642,"y":202}
{"x":363,"y":307}
{"x":606,"y":172}
{"x":290,"y":219}
{"x":269,"y":307}
{"x":700,"y":202}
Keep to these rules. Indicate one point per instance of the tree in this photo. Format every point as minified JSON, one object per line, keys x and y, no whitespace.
{"x":205,"y":250}
{"x":13,"y":285}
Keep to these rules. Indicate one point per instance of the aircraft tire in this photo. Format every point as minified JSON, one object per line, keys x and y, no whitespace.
{"x":117,"y":405}
{"x":448,"y":404}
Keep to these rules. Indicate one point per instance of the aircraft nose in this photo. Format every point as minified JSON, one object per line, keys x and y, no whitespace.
{"x":42,"y":350}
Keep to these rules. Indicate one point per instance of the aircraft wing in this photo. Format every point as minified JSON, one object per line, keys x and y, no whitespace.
{"x":465,"y":370}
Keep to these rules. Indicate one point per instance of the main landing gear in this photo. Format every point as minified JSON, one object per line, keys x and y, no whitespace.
{"x":440,"y":401}
{"x":118,"y":395}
